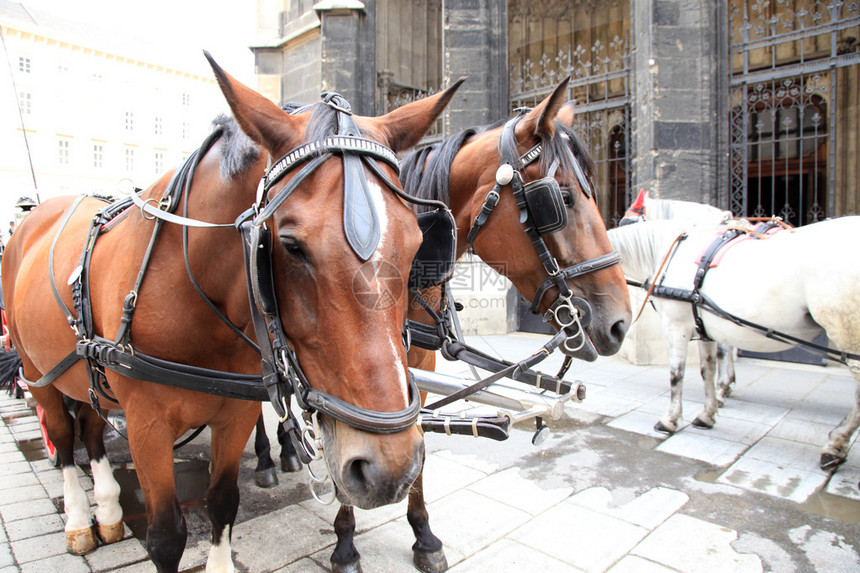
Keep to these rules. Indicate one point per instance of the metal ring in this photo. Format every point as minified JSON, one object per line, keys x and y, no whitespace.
{"x":145,"y":203}
{"x":574,"y":314}
{"x":320,"y":498}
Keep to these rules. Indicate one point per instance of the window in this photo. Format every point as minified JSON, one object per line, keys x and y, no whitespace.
{"x":184,"y":130}
{"x":24,"y":64}
{"x":63,"y":145}
{"x":129,"y":121}
{"x":98,"y":155}
{"x":186,"y":100}
{"x":159,"y":161}
{"x":129,"y":160}
{"x":25,"y":102}
{"x":158,"y":128}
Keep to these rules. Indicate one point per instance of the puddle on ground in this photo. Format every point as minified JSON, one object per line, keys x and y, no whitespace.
{"x":192,"y":481}
{"x":821,"y":503}
{"x":33,"y":450}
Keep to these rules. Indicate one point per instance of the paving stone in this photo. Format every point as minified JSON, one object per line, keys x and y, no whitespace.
{"x":781,"y":481}
{"x":23,"y":493}
{"x":606,"y":403}
{"x":511,"y":488}
{"x":579,"y":536}
{"x":38,"y":548}
{"x":60,"y":563}
{"x":142,"y":567}
{"x":34,"y":526}
{"x":507,"y":555}
{"x":701,"y":446}
{"x":17,"y":480}
{"x":796,"y":429}
{"x":689,"y":544}
{"x":306,"y":565}
{"x":638,"y":422}
{"x":467,"y":532}
{"x":291,"y":533}
{"x":647,"y":510}
{"x":125,"y":552}
{"x":12,"y":468}
{"x":781,"y":452}
{"x":12,"y":457}
{"x":633,"y":564}
{"x":27,"y":509}
{"x":6,"y":558}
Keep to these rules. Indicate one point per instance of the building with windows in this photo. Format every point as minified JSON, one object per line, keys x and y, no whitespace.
{"x":100,"y":110}
{"x":750,"y":105}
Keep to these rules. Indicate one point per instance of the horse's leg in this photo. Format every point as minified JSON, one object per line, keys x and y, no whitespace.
{"x":265,"y":475}
{"x":427,"y":552}
{"x":60,"y":425}
{"x":345,"y":557}
{"x":109,"y":526}
{"x":222,"y":498}
{"x":707,"y":366}
{"x":725,"y":373}
{"x":678,"y":339}
{"x":836,"y":449}
{"x":151,"y":445}
{"x":289,"y":457}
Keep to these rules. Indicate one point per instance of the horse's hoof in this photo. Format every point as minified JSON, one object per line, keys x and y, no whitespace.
{"x":108,"y":534}
{"x":290,"y":464}
{"x":430,"y":561}
{"x":662,"y":428}
{"x":352,"y":567}
{"x":266,"y":478}
{"x":699,"y":423}
{"x":80,"y":541}
{"x":830,"y":462}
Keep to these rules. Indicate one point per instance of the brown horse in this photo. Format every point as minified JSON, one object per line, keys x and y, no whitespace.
{"x":325,"y":242}
{"x":466,"y":172}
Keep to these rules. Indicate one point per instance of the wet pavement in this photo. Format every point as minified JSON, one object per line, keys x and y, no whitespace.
{"x":603,"y":493}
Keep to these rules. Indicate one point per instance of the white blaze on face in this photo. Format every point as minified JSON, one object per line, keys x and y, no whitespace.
{"x":394,"y":338}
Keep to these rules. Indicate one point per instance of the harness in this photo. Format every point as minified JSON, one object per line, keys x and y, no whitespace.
{"x":699,"y":300}
{"x":281,"y":374}
{"x":542,"y":211}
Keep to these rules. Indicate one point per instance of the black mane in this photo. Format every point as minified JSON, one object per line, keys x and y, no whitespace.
{"x":238,"y":152}
{"x":430,"y":179}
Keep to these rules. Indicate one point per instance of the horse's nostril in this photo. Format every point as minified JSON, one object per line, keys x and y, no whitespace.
{"x":361,"y":475}
{"x":618,"y":331}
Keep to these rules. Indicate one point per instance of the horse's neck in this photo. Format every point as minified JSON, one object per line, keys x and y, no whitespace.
{"x":642,"y":248}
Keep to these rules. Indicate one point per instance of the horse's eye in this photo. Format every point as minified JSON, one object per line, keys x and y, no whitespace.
{"x":295,"y":248}
{"x":567,"y":196}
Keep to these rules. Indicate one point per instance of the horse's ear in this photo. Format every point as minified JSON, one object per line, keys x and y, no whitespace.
{"x":539,"y":120}
{"x":566,"y":114}
{"x":406,"y":125}
{"x":259,"y":118}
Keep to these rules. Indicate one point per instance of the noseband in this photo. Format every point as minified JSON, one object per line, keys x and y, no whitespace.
{"x":542,"y":211}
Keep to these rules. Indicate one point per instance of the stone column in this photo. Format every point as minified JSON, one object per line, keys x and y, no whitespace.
{"x":474,"y":44}
{"x":680,"y":121}
{"x":348,"y":51}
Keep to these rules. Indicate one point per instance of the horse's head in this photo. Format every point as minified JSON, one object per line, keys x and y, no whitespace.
{"x":546,"y":233}
{"x":340,"y":244}
{"x":636,"y":211}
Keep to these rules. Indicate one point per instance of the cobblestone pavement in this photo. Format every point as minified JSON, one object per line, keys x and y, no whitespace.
{"x":603,"y":493}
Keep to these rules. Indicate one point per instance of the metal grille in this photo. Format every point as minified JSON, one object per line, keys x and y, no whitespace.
{"x":547,"y":44}
{"x":788,"y":115}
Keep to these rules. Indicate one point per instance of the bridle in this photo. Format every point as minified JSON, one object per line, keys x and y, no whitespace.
{"x":542,"y":211}
{"x":282,"y":373}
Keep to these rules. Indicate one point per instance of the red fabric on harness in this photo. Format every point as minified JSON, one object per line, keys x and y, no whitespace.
{"x":122,"y":215}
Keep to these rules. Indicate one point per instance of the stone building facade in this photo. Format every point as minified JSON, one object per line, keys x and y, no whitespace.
{"x":750,"y":105}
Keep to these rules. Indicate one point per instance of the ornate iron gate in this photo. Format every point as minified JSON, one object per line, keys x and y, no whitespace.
{"x":795,"y":115}
{"x":588,"y":41}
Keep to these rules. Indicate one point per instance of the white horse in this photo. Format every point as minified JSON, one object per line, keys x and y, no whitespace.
{"x":644,"y":208}
{"x":799,"y":282}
